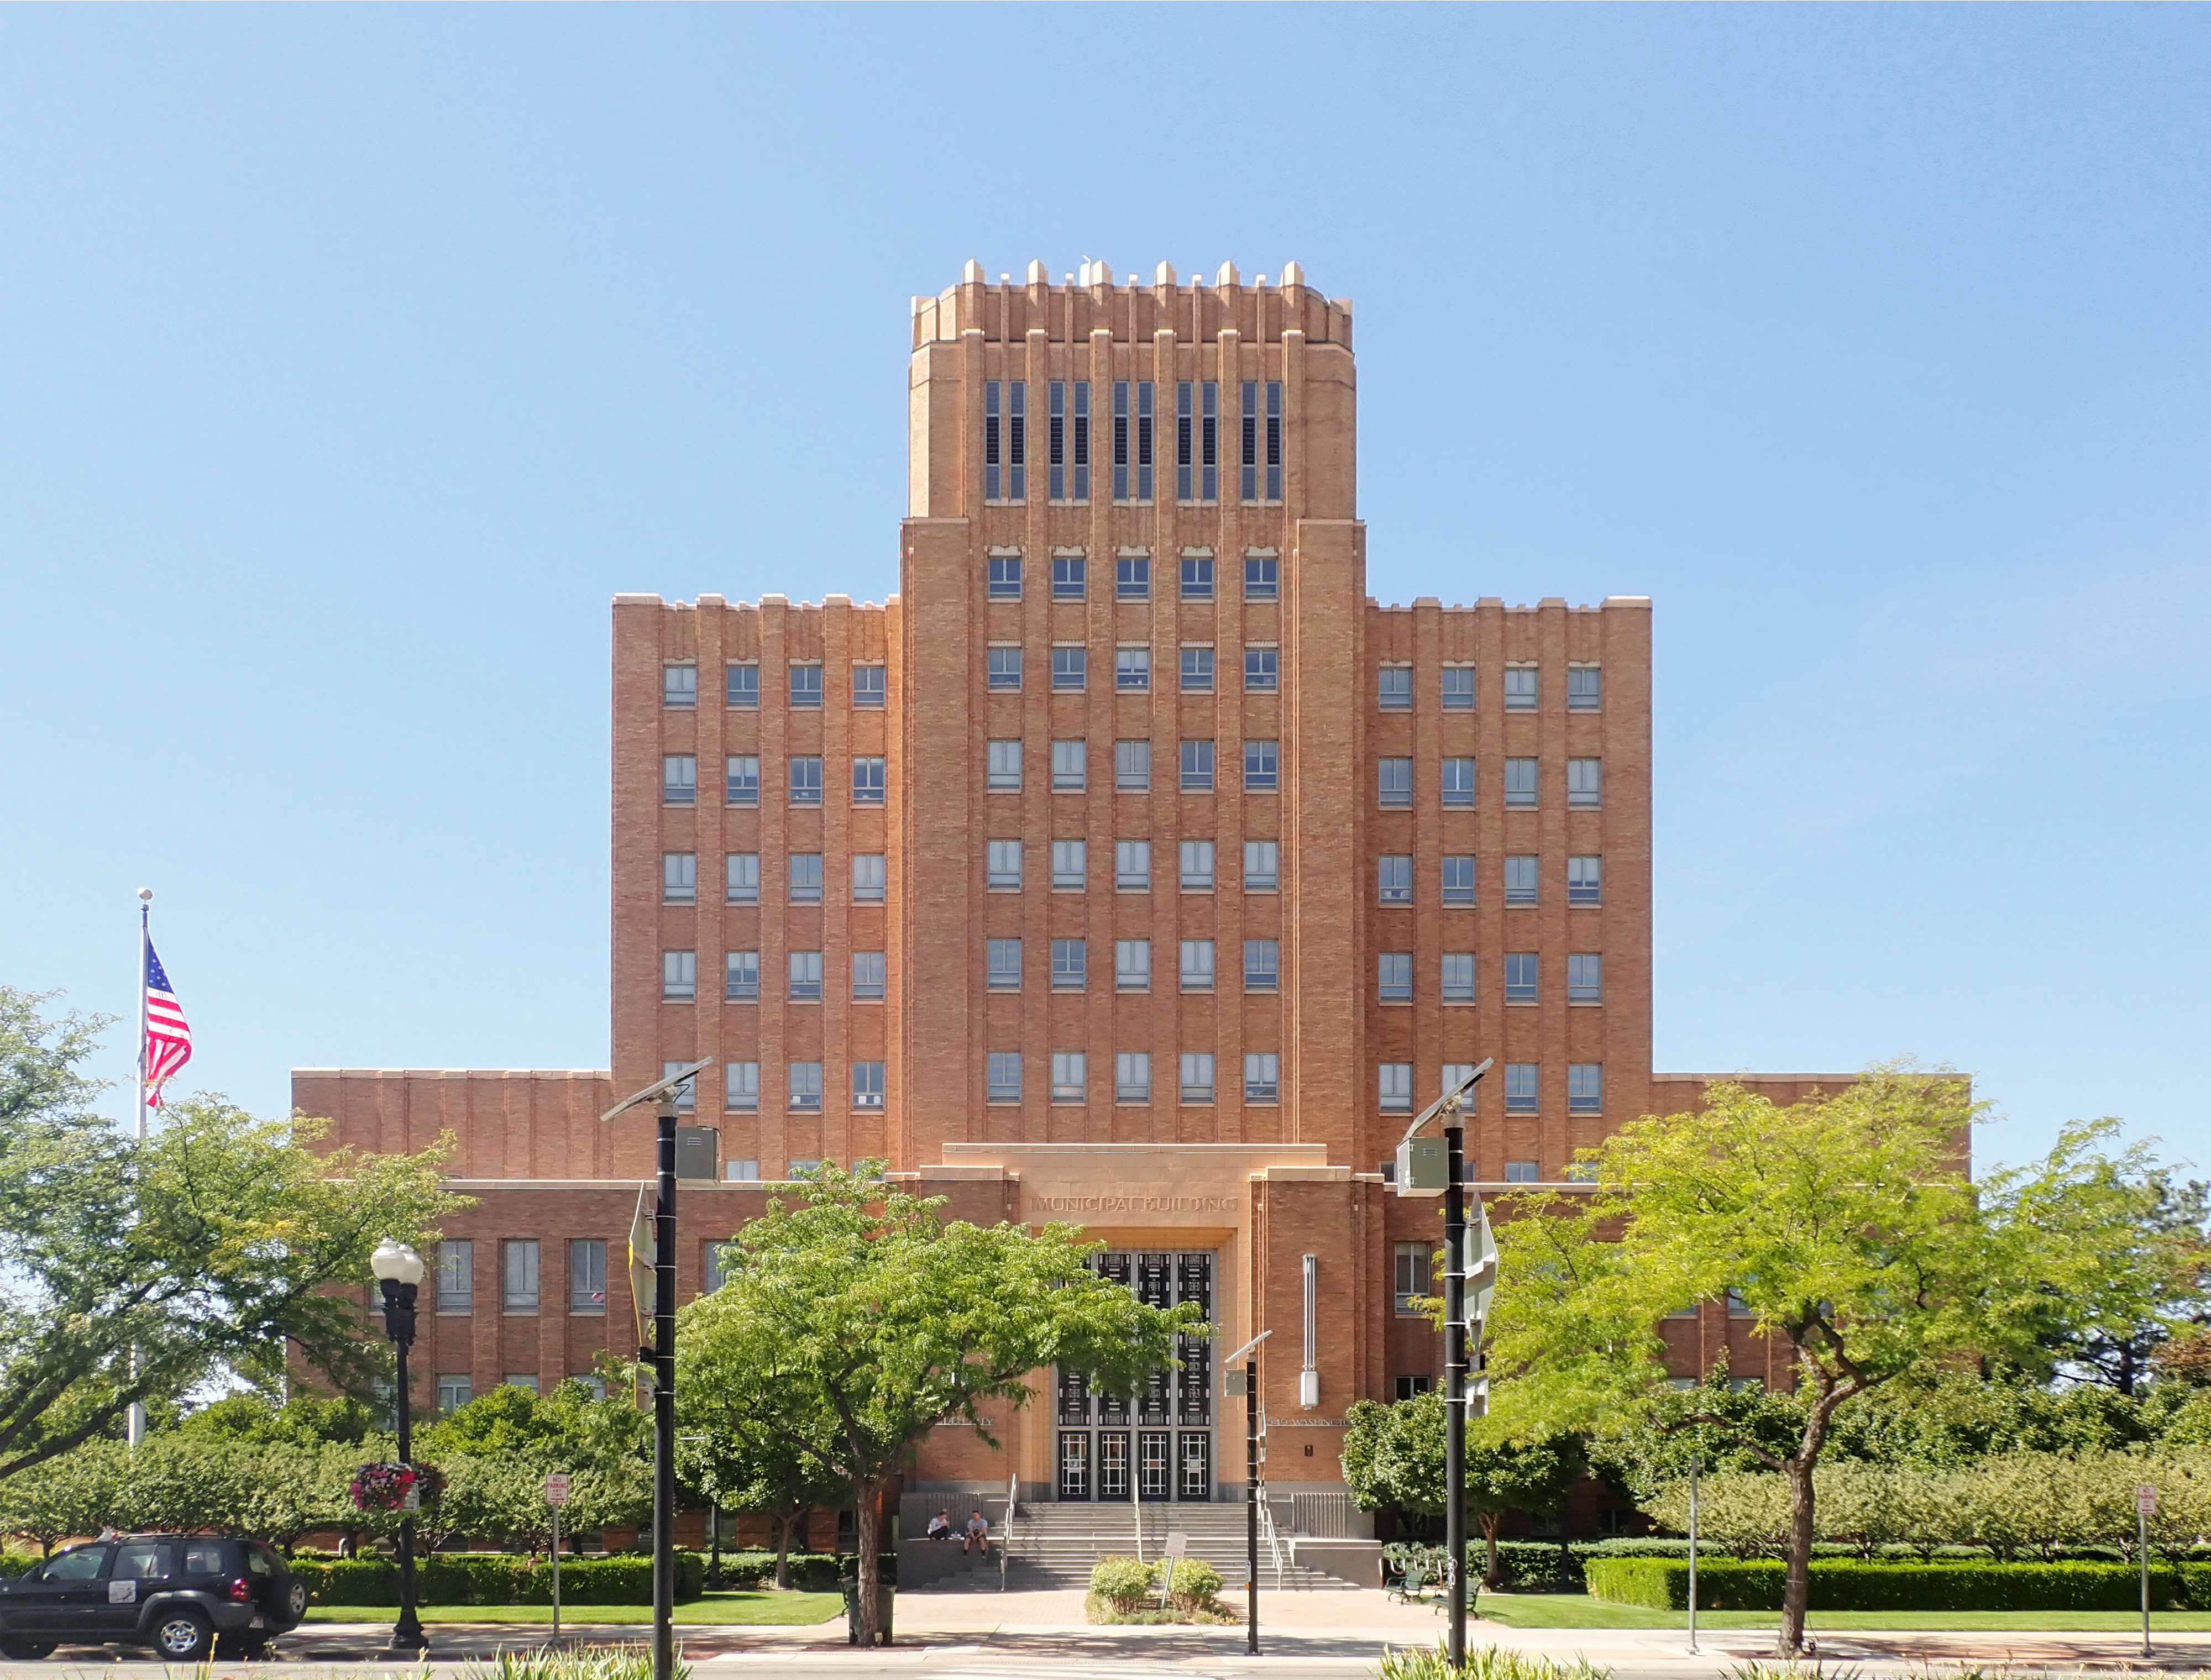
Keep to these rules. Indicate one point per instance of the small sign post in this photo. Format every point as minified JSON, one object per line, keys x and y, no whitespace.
{"x":2145,"y":1509}
{"x":556,"y":1495}
{"x":1178,"y":1547}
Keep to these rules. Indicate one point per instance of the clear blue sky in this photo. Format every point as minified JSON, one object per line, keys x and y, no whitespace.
{"x":350,"y":358}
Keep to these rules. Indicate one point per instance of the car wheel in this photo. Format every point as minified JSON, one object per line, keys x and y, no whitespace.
{"x":25,"y":1649}
{"x":295,"y":1602}
{"x":182,"y":1636}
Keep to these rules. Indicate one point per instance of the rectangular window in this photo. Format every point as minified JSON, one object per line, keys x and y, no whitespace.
{"x":1005,"y":440}
{"x":1393,"y":881}
{"x":1069,"y":767}
{"x":741,"y":976}
{"x":1586,"y":1088}
{"x":1262,"y":767}
{"x":867,"y":1084}
{"x":1185,"y":443}
{"x":1394,"y":971}
{"x":679,"y":779}
{"x":1003,"y":1077}
{"x":1070,"y":669}
{"x":518,"y":1273}
{"x":1586,"y":881}
{"x":1132,"y":1077}
{"x":805,"y":977}
{"x":806,"y":877}
{"x":526,"y":1380}
{"x":1458,"y":688}
{"x":1196,"y":575}
{"x":1070,"y":866}
{"x":740,"y":780}
{"x":1002,"y":773}
{"x":1458,"y":881}
{"x":1196,"y":1076}
{"x":1584,"y":783}
{"x":1196,"y":860}
{"x":587,"y":1274}
{"x":1458,"y":977}
{"x":1132,"y":577}
{"x":1079,"y":443}
{"x":1132,"y":866}
{"x":1394,"y":688}
{"x":869,"y":878}
{"x":1004,"y":866}
{"x":1069,"y":1076}
{"x":1263,"y":578}
{"x":798,"y":1169}
{"x":1263,"y":965}
{"x":806,"y":687}
{"x":1520,"y":880}
{"x":806,"y":780}
{"x":1394,"y":1087}
{"x":712,"y":1274}
{"x":457,"y":1276}
{"x":1197,"y":670}
{"x":1198,"y":966}
{"x":1262,"y":1076}
{"x":679,"y":877}
{"x":740,"y":1172}
{"x":1132,"y":766}
{"x":1584,"y":687}
{"x":1261,"y":442}
{"x":1132,"y":440}
{"x":867,"y":976}
{"x":1005,"y":577}
{"x":1068,"y":576}
{"x":1520,"y":1087}
{"x":453,"y":1394}
{"x":1132,"y":965}
{"x":1519,"y":688}
{"x":741,"y":686}
{"x":1523,"y":1172}
{"x":1069,"y":964}
{"x":679,"y":685}
{"x":679,"y":976}
{"x":1066,"y":440}
{"x":1585,"y":977}
{"x":1520,"y":781}
{"x":804,"y":1088}
{"x":1263,"y":671}
{"x":869,"y":687}
{"x":687,"y":1094}
{"x":1458,"y":783}
{"x":1412,"y":1285}
{"x":1263,"y":866}
{"x":1520,"y":978}
{"x":1197,"y":767}
{"x":1455,"y":1075}
{"x":1393,"y":782}
{"x":1002,"y":675}
{"x":1003,"y":960}
{"x":741,"y":878}
{"x":741,"y":1087}
{"x":1132,"y":670}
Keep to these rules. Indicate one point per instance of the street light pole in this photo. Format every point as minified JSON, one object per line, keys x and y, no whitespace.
{"x":398,"y":1270}
{"x":1249,"y":1353}
{"x":1454,"y":1373}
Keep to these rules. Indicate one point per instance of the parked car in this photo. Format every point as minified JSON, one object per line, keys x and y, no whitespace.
{"x":179,"y":1593}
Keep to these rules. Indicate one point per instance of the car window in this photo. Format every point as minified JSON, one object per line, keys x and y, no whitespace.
{"x":203,"y":1557}
{"x":83,"y":1564}
{"x":143,"y":1560}
{"x":256,"y":1564}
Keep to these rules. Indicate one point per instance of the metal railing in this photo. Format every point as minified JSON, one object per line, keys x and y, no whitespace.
{"x":1006,"y":1540}
{"x":1266,"y":1533}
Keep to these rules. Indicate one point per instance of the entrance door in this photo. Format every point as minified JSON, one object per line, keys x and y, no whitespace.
{"x":1158,"y":1445}
{"x":1075,"y":1464}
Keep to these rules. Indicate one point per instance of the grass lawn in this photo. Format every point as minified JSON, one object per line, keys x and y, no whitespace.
{"x":1573,"y":1610}
{"x":715,"y":1609}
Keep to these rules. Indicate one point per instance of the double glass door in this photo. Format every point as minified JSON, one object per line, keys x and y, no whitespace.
{"x":1157,"y":1445}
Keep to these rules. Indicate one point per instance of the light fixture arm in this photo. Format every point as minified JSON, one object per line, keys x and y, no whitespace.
{"x":1449,"y":1102}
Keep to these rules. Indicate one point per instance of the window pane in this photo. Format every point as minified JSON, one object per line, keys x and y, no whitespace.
{"x":1262,"y":577}
{"x":1520,"y":983}
{"x":869,"y":687}
{"x":1261,"y":767}
{"x":1003,"y":670}
{"x":1132,"y":965}
{"x":806,"y":877}
{"x":1519,"y":688}
{"x":1067,"y":577}
{"x":1585,"y":881}
{"x":1197,"y":767}
{"x":1585,"y":781}
{"x":1262,"y":1077}
{"x":1132,"y":577}
{"x":518,"y":1271}
{"x":868,"y":972}
{"x":679,"y":877}
{"x":868,"y":782}
{"x":805,"y":967}
{"x":1263,"y":671}
{"x":1132,"y":1077}
{"x":805,"y":1085}
{"x":1070,"y":669}
{"x":741,"y":878}
{"x":1394,"y":880}
{"x":1198,"y":966}
{"x":1458,"y":977}
{"x":1069,"y":771}
{"x":1198,"y":1076}
{"x":1263,"y":965}
{"x":1132,"y":670}
{"x":1132,"y":866}
{"x":1458,"y":782}
{"x":1196,"y":865}
{"x":741,"y":1087}
{"x":1004,"y":866}
{"x":742,"y":686}
{"x":587,"y":1275}
{"x":1458,"y":688}
{"x":1394,"y":1086}
{"x":1070,"y":866}
{"x":679,"y":685}
{"x":1197,"y":670}
{"x":1262,"y":866}
{"x":1132,"y":766}
{"x":679,"y":779}
{"x":1520,"y":781}
{"x":806,"y":781}
{"x":457,"y":1276}
{"x":806,"y":686}
{"x":1069,"y":965}
{"x":1584,"y":688}
{"x":1394,"y":781}
{"x":1394,"y":688}
{"x":1003,"y":773}
{"x":869,"y":878}
{"x":741,"y":976}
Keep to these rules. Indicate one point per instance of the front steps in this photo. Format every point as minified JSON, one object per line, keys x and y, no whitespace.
{"x":1055,"y":1545}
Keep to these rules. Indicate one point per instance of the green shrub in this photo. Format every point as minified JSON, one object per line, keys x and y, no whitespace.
{"x":613,"y":1662}
{"x":1841,"y":1583}
{"x":1192,"y":1583}
{"x":495,"y":1578}
{"x":1122,"y":1583}
{"x":1490,"y":1662}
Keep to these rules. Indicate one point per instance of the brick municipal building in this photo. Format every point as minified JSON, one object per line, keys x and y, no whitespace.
{"x":1132,"y":866}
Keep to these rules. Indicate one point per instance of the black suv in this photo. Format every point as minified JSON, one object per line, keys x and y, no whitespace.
{"x":177,"y":1593}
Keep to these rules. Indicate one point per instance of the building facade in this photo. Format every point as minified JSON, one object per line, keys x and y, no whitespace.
{"x":1131,"y":867}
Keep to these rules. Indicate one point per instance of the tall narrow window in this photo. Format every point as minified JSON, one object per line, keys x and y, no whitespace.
{"x":1412,"y":1278}
{"x":1586,"y":881}
{"x":1458,"y":977}
{"x":1132,"y":965}
{"x":1185,"y":440}
{"x":679,"y":976}
{"x":679,"y":779}
{"x":1196,"y":865}
{"x":1394,"y":973}
{"x":1070,"y":866}
{"x":1585,"y":781}
{"x":1132,"y":766}
{"x":679,"y":877}
{"x":805,"y":967}
{"x":1208,"y":441}
{"x":1272,"y":442}
{"x":806,"y":780}
{"x":1079,"y":441}
{"x":1002,"y":861}
{"x":518,"y":1274}
{"x":1004,"y":1077}
{"x":1458,"y":783}
{"x":1393,"y":781}
{"x":1197,"y":767}
{"x":1263,"y":965}
{"x":457,"y":1275}
{"x":1585,"y":977}
{"x":1262,"y":449}
{"x":1198,"y":1076}
{"x":1198,"y":966}
{"x":869,"y":878}
{"x":679,"y":685}
{"x":1068,"y":773}
{"x":1394,"y":1087}
{"x":1520,"y":977}
{"x":1520,"y":1078}
{"x":1393,"y":879}
{"x":587,"y":1274}
{"x":1458,"y":880}
{"x":741,"y":1087}
{"x":1002,"y":771}
{"x":1005,"y":440}
{"x":1003,"y":971}
{"x":1132,"y":1077}
{"x":1003,"y":671}
{"x":1132,"y":866}
{"x":1263,"y":866}
{"x":1069,"y":1075}
{"x":1521,"y":879}
{"x":1520,"y":781}
{"x":1132,"y":440}
{"x":1263,"y":578}
{"x":867,"y":1084}
{"x":1262,"y":1076}
{"x":741,"y":976}
{"x":868,"y":976}
{"x":806,"y":877}
{"x":1057,"y":438}
{"x":1586,"y":1088}
{"x":868,"y":781}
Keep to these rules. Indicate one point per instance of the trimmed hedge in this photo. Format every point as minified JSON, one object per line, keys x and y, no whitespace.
{"x":1837,"y":1583}
{"x":810,"y":1571}
{"x":495,"y":1578}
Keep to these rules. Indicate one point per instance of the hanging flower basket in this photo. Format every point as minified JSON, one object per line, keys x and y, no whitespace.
{"x":397,"y":1487}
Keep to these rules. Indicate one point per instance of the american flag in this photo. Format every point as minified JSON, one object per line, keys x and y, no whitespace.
{"x":168,"y":1036}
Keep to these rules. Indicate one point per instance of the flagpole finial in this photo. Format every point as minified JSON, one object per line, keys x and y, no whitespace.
{"x":145,"y":895}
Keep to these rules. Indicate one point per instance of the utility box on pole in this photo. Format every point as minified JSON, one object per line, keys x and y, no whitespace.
{"x":1421,"y":1170}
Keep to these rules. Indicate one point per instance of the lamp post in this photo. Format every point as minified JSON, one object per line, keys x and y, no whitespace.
{"x":1248,"y":1380}
{"x":398,"y":1269}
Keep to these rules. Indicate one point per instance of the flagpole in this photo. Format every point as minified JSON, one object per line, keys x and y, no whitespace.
{"x":135,"y":1426}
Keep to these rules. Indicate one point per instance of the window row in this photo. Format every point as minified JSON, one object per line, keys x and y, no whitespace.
{"x":1195,"y":579}
{"x":679,"y":685}
{"x":1393,"y":784}
{"x":1521,"y":1081}
{"x":1393,"y":879}
{"x":1132,"y":965}
{"x":1004,"y":772}
{"x":1195,"y":444}
{"x":740,"y":780}
{"x":1132,"y":668}
{"x":518,"y":1278}
{"x":741,"y":976}
{"x":1393,"y":688}
{"x":1585,"y":977}
{"x":1004,"y":871}
{"x":1132,"y":1077}
{"x":741,"y":878}
{"x":801,"y":1089}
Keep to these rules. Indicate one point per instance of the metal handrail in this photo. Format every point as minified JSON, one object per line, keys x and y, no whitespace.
{"x":1274,"y":1539}
{"x":1006,"y":1540}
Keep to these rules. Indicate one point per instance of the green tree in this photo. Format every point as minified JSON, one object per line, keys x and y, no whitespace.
{"x":779,"y":1467}
{"x":69,"y":1495}
{"x":302,"y":1420}
{"x":497,"y":1450}
{"x":858,"y":1304}
{"x":1393,"y":1456}
{"x":141,"y":1272}
{"x":1849,"y":1231}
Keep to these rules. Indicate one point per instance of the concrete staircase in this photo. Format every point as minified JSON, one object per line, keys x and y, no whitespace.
{"x":1054,"y":1545}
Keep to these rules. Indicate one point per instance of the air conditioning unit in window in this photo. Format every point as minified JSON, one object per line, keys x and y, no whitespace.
{"x":869,"y":1099}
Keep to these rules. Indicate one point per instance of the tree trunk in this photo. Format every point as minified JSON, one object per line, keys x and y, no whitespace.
{"x":782,"y":1528}
{"x":1797,"y":1593}
{"x":866,"y":1491}
{"x":1492,"y":1576}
